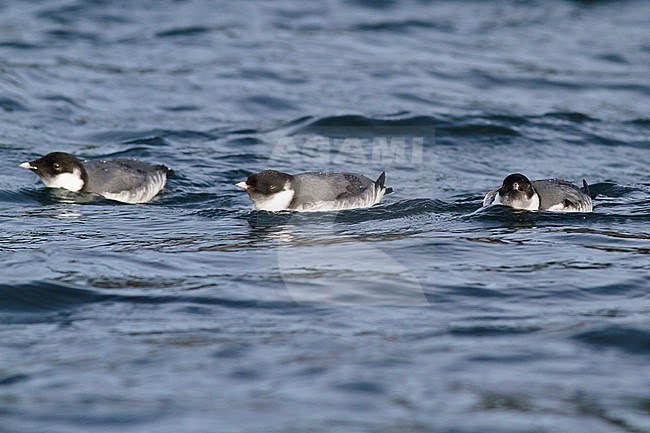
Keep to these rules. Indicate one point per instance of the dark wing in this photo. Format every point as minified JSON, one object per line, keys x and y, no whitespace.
{"x":317,"y":187}
{"x":553,"y":192}
{"x":357,"y":184}
{"x":117,"y":175}
{"x":489,"y":197}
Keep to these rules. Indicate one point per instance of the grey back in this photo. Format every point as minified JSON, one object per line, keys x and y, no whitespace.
{"x":557,"y":191}
{"x":317,"y":187}
{"x":117,"y":175}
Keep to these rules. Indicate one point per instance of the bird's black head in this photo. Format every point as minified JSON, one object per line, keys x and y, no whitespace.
{"x":54,"y":163}
{"x":267,"y":182}
{"x":517,"y":184}
{"x":59,"y":169}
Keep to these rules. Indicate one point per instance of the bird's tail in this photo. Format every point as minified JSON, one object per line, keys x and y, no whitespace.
{"x":168,"y":171}
{"x":380,"y":183}
{"x":585,"y":189}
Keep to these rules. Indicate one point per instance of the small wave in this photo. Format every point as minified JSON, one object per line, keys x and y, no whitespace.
{"x":374,"y":4}
{"x":181,"y":199}
{"x":149,"y":141}
{"x":216,"y":213}
{"x":611,"y":189}
{"x":492,"y":330}
{"x":613,"y":58}
{"x":292,"y":123}
{"x":9,"y":105}
{"x":49,"y":296}
{"x":45,"y":296}
{"x":258,"y":74}
{"x":504,"y":127}
{"x":20,"y":196}
{"x":183,"y":31}
{"x":570,"y":116}
{"x":268,"y":103}
{"x":18,"y":45}
{"x":640,"y":122}
{"x":244,"y":141}
{"x":181,"y":108}
{"x":404,"y":26}
{"x":71,"y":35}
{"x":244,"y":158}
{"x":11,"y":378}
{"x":143,"y":137}
{"x":360,"y":126}
{"x":475,"y":129}
{"x":624,"y":338}
{"x":66,"y":101}
{"x":420,"y":126}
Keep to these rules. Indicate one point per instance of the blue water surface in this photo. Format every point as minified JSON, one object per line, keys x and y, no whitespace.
{"x":194,"y":313}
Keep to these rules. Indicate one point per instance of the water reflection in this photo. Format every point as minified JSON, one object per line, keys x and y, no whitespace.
{"x":321,"y":265}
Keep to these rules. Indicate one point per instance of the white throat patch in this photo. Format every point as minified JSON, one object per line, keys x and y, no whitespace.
{"x":273,"y":203}
{"x":70,"y":181}
{"x":532,"y":204}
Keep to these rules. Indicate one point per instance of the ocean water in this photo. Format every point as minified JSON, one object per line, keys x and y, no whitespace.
{"x":423,"y":314}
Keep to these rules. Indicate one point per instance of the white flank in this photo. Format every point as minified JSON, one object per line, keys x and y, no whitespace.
{"x":534,"y":203}
{"x":371,"y":197}
{"x":70,"y":181}
{"x":142,"y":194}
{"x":558,"y":208}
{"x":274,"y":203}
{"x":585,"y":206}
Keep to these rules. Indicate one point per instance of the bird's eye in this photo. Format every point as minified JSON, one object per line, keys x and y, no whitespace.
{"x":272,"y":187}
{"x":56,"y":166}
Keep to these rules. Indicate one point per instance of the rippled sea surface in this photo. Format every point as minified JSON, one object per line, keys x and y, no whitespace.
{"x":423,"y":314}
